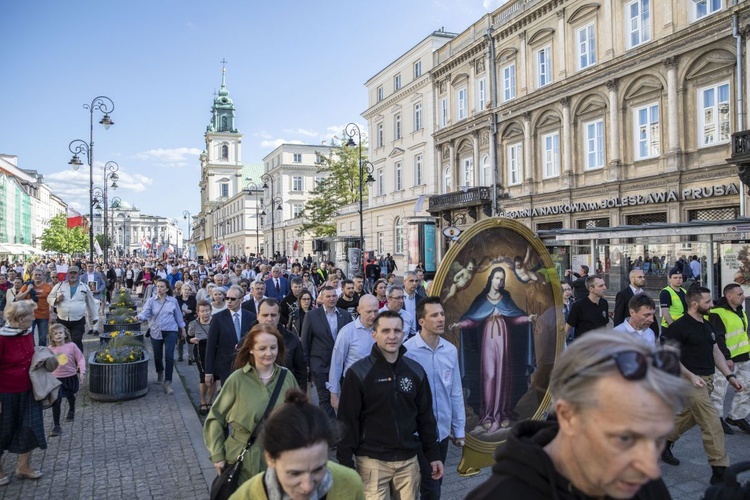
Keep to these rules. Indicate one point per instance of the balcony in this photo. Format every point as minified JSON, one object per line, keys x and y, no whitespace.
{"x":741,"y":155}
{"x":460,"y":199}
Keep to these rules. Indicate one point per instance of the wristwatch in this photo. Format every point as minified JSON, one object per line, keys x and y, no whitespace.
{"x":731,"y":375}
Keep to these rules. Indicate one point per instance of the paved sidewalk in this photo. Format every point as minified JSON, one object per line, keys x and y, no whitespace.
{"x":152,"y":448}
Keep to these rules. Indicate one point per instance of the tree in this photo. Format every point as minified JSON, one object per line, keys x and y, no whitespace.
{"x":58,"y":238}
{"x":338,"y":187}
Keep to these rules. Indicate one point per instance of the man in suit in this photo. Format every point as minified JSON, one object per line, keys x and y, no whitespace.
{"x":637,"y":280}
{"x":258,"y":291}
{"x":411,"y":296}
{"x":319,"y":331}
{"x":225,"y":335}
{"x":277,"y":287}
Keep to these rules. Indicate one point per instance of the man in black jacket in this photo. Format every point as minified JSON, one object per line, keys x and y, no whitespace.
{"x":610,"y":428}
{"x":295,"y":358}
{"x":637,"y":280}
{"x":386,"y":413}
{"x":578,"y":282}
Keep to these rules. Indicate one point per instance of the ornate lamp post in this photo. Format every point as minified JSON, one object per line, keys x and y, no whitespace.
{"x":364,"y":167}
{"x":276,"y":201}
{"x":78,"y":147}
{"x":255,"y":191}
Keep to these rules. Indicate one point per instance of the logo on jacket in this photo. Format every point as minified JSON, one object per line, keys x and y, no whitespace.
{"x":405,"y":384}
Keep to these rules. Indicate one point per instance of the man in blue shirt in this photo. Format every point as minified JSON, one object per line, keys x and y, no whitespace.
{"x":439,"y":358}
{"x":353,"y":343}
{"x":394,"y":301}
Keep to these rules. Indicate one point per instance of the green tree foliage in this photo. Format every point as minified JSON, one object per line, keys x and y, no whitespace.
{"x":58,"y":238}
{"x":339,"y":187}
{"x":100,"y":239}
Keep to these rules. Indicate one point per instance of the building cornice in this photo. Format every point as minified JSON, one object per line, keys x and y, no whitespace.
{"x":395,"y":99}
{"x":469,"y":52}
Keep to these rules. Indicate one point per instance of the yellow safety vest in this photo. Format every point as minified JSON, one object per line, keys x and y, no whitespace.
{"x":676,"y":310}
{"x":736,"y":330}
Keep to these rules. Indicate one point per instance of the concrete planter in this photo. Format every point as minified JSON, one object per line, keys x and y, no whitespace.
{"x":120,"y":327}
{"x":118,"y":381}
{"x":104,"y":338}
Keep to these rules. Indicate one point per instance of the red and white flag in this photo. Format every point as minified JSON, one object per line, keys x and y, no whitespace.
{"x":224,"y":263}
{"x":75,"y":219}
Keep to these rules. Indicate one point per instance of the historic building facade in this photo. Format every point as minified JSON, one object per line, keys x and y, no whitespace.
{"x":598,"y":114}
{"x":290,"y":173}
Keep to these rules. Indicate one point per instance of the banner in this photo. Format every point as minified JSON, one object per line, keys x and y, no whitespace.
{"x":75,"y":219}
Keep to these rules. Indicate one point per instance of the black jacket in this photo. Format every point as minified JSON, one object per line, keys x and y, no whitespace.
{"x":381,"y":421}
{"x":524,"y":470}
{"x":317,"y":339}
{"x":578,"y":283}
{"x":222,"y":343}
{"x":622,"y":299}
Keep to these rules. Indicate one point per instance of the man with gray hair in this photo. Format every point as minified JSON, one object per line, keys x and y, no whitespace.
{"x":394,"y":296}
{"x":614,"y":397}
{"x":277,"y":286}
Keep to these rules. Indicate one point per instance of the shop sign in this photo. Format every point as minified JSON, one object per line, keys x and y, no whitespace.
{"x":666,"y":196}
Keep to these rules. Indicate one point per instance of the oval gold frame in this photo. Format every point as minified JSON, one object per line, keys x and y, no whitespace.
{"x":477,"y":453}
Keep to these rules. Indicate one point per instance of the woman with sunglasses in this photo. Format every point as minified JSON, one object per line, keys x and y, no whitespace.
{"x":614,"y":397}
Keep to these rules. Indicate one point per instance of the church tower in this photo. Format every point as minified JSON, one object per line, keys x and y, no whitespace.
{"x":221,"y":161}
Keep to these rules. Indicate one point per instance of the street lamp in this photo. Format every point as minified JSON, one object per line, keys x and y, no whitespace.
{"x":114,"y":203}
{"x":276,"y":201}
{"x":255,"y":191}
{"x":364,"y":167}
{"x":78,"y":147}
{"x":110,"y":174}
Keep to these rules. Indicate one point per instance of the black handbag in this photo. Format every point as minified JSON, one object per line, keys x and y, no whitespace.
{"x":226,"y":483}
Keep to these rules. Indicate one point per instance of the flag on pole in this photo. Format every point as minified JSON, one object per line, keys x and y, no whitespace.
{"x":224,"y":256}
{"x":97,"y":248}
{"x":75,"y":219}
{"x":170,"y":249}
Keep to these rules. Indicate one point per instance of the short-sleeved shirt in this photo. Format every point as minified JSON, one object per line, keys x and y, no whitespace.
{"x":665,"y":298}
{"x":586,"y":316}
{"x":696,"y":341}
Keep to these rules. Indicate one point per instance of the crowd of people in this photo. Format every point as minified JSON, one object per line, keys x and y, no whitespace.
{"x":387,"y":388}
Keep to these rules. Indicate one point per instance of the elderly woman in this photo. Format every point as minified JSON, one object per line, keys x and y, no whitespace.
{"x":21,"y":420}
{"x":218,"y":296}
{"x":166,"y":319}
{"x":243,"y":399}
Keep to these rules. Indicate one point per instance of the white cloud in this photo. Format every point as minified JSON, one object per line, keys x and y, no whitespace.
{"x":491,"y":5}
{"x":73,"y":186}
{"x":302,"y":131}
{"x":339,"y":131}
{"x":275,"y":143}
{"x":170,"y":157}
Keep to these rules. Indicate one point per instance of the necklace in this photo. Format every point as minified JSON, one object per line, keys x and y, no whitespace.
{"x":266,"y":377}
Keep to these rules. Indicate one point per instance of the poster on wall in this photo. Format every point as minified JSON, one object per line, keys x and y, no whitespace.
{"x":735,"y":265}
{"x":413,"y":243}
{"x":578,"y":260}
{"x":429,"y":248}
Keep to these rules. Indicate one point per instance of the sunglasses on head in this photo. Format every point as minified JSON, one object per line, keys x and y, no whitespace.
{"x":633,"y":365}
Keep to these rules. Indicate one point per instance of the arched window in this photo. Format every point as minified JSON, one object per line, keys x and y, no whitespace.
{"x":467,"y":172}
{"x":224,"y":123}
{"x":447,"y":180}
{"x":224,"y":151}
{"x":398,"y":236}
{"x":486,"y":171}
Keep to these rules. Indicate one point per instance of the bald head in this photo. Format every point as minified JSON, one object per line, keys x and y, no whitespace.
{"x":368,"y":310}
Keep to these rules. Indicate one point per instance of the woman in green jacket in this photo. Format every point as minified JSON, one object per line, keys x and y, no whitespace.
{"x":295,"y":442}
{"x":243,"y":400}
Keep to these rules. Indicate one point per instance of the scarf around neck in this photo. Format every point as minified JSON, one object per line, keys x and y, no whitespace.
{"x":274,"y":490}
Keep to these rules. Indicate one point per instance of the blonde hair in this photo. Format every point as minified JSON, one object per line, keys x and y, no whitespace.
{"x":53,"y":329}
{"x":18,"y":310}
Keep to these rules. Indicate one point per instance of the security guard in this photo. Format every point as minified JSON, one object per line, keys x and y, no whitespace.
{"x":672,"y":301}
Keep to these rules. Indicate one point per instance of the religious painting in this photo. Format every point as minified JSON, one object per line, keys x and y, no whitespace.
{"x":502,"y":300}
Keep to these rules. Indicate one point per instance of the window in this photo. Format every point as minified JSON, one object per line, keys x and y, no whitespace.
{"x":586,"y":43}
{"x":703,"y":8}
{"x":297,"y":209}
{"x":513,"y":161}
{"x":224,"y":151}
{"x":551,"y":155}
{"x":417,"y":69}
{"x":647,"y":132}
{"x":297,"y":157}
{"x":318,"y":158}
{"x":319,"y":181}
{"x":447,"y":180}
{"x":486,"y":171}
{"x":467,"y":171}
{"x":713,"y":118}
{"x":397,"y":127}
{"x":397,"y":82}
{"x":509,"y":82}
{"x":224,"y":189}
{"x":461,"y":104}
{"x":637,"y":15}
{"x":398,"y":235}
{"x":380,"y":93}
{"x":381,"y":182}
{"x":399,"y":176}
{"x":418,"y":181}
{"x":297,"y":183}
{"x":543,"y":67}
{"x":381,"y":136}
{"x":381,"y":243}
{"x":594,"y":147}
{"x":418,"y":116}
{"x":443,"y":112}
{"x":481,"y":95}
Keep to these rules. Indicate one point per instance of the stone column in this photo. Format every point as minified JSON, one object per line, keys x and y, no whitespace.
{"x":673,"y":137}
{"x":528,"y":177}
{"x":452,"y":164}
{"x":475,"y":181}
{"x":520,"y":69}
{"x":567,"y":144}
{"x":560,"y":50}
{"x":614,"y":132}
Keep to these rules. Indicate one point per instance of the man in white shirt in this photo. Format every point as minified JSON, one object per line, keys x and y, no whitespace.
{"x":394,"y":301}
{"x":695,"y":268}
{"x":642,"y":309}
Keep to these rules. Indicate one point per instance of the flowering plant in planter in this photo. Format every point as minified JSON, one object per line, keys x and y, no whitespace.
{"x":126,"y":333}
{"x":123,"y":299}
{"x":122,"y":315}
{"x":121,"y":349}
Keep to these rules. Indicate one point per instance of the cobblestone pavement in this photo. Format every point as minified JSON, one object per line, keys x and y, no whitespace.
{"x":152,"y":448}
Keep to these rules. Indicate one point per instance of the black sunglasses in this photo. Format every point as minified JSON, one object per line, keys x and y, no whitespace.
{"x":633,"y":365}
{"x":233,"y":298}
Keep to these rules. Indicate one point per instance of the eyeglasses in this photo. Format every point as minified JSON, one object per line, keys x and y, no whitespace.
{"x":233,"y":298}
{"x":400,"y":297}
{"x":633,"y":365}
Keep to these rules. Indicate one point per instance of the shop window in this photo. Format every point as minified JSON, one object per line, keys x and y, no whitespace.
{"x":642,"y":219}
{"x":711,"y":214}
{"x":549,"y":226}
{"x":592,"y":223}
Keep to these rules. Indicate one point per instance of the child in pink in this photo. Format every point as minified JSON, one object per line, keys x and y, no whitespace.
{"x":71,"y":372}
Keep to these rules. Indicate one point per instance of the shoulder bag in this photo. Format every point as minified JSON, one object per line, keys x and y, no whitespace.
{"x":153,"y":320}
{"x":227,"y":483}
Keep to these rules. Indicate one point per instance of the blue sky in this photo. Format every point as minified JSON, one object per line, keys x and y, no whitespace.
{"x":296,"y":71}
